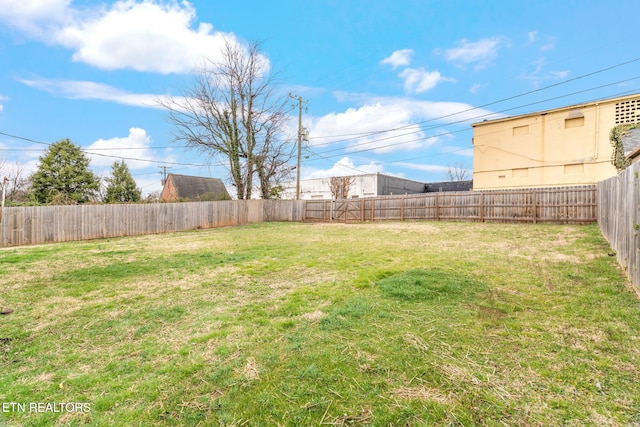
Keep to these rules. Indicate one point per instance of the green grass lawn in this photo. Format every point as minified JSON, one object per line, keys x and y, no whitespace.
{"x":383,"y":324}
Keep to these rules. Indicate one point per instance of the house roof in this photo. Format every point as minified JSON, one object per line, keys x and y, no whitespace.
{"x":569,"y":107}
{"x":192,"y":187}
{"x":631,"y":143}
{"x":631,"y":140}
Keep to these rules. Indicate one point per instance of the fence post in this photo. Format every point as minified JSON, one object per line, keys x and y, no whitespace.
{"x":535,"y":206}
{"x":438,"y":206}
{"x":361,"y":210}
{"x":373,"y":210}
{"x":3,"y":223}
{"x":481,"y":207}
{"x":402,"y":209}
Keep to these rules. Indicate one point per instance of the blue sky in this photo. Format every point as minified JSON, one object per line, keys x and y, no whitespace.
{"x":392,"y":86}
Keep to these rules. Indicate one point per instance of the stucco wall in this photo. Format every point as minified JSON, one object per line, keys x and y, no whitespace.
{"x":567,"y":146}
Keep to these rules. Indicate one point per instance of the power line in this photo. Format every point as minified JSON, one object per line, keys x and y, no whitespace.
{"x":473,"y":118}
{"x":90,"y":151}
{"x":329,"y":158}
{"x":372,"y":133}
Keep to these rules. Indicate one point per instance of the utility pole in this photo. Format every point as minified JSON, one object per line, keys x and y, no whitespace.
{"x":4,"y":190}
{"x":164,"y":173}
{"x":301,"y":133}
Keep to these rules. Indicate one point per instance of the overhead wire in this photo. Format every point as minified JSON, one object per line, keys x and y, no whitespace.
{"x":329,"y":158}
{"x":89,"y":151}
{"x":469,"y":119}
{"x":360,"y":135}
{"x":372,"y":133}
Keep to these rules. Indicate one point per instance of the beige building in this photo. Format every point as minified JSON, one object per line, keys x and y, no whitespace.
{"x":563,"y":146}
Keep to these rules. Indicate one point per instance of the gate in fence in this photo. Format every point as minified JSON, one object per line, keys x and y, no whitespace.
{"x":560,"y":205}
{"x":348,"y":210}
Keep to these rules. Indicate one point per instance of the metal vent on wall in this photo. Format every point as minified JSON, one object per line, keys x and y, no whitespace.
{"x":628,"y":111}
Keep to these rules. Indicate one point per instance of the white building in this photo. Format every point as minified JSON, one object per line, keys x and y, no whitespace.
{"x":369,"y":185}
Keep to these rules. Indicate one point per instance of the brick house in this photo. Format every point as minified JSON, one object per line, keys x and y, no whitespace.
{"x":185,"y":188}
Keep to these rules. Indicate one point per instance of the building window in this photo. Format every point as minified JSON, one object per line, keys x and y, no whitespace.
{"x":628,"y":111}
{"x":521,"y":130}
{"x":573,"y":122}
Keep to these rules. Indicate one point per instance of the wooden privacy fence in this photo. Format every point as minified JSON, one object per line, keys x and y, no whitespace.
{"x":619,"y":218}
{"x":42,"y":224}
{"x":562,"y":205}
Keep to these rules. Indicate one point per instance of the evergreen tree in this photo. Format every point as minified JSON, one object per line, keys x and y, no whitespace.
{"x":121,"y":187}
{"x":63,"y":176}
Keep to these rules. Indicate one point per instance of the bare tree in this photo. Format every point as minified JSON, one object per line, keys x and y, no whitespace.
{"x":340,"y":186}
{"x":233,"y":111}
{"x":457,"y":172}
{"x":17,"y":184}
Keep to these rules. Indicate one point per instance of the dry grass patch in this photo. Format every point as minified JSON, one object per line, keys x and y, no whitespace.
{"x":325,"y":324}
{"x":314,"y":316}
{"x":250,"y":370}
{"x":422,"y":393}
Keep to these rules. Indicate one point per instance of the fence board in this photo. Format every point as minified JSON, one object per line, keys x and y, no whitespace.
{"x":43,"y":224}
{"x":619,"y":218}
{"x":561,"y":205}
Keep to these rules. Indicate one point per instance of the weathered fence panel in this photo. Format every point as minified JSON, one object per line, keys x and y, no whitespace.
{"x":562,"y":205}
{"x":619,"y":218}
{"x":43,"y":224}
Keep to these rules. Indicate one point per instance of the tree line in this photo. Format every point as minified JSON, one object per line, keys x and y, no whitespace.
{"x":63,"y":177}
{"x":234,"y":110}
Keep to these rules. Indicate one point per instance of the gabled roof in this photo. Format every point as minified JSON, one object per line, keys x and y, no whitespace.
{"x":193,"y":187}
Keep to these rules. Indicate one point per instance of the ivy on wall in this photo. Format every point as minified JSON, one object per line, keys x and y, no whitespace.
{"x":618,"y":159}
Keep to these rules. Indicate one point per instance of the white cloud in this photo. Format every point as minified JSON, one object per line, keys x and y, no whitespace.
{"x":423,"y":167}
{"x":421,"y":80}
{"x":75,"y":89}
{"x":36,"y":18}
{"x":148,"y":183}
{"x":546,"y":42}
{"x":540,"y":74}
{"x":2,"y":99}
{"x":24,"y":162}
{"x":146,"y":36}
{"x":476,"y":87}
{"x":465,"y":152}
{"x":150,"y":36}
{"x":360,"y":126}
{"x":367,"y":127}
{"x":345,"y":166}
{"x":399,"y":58}
{"x":481,"y":53}
{"x":135,"y":145}
{"x":558,"y":75}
